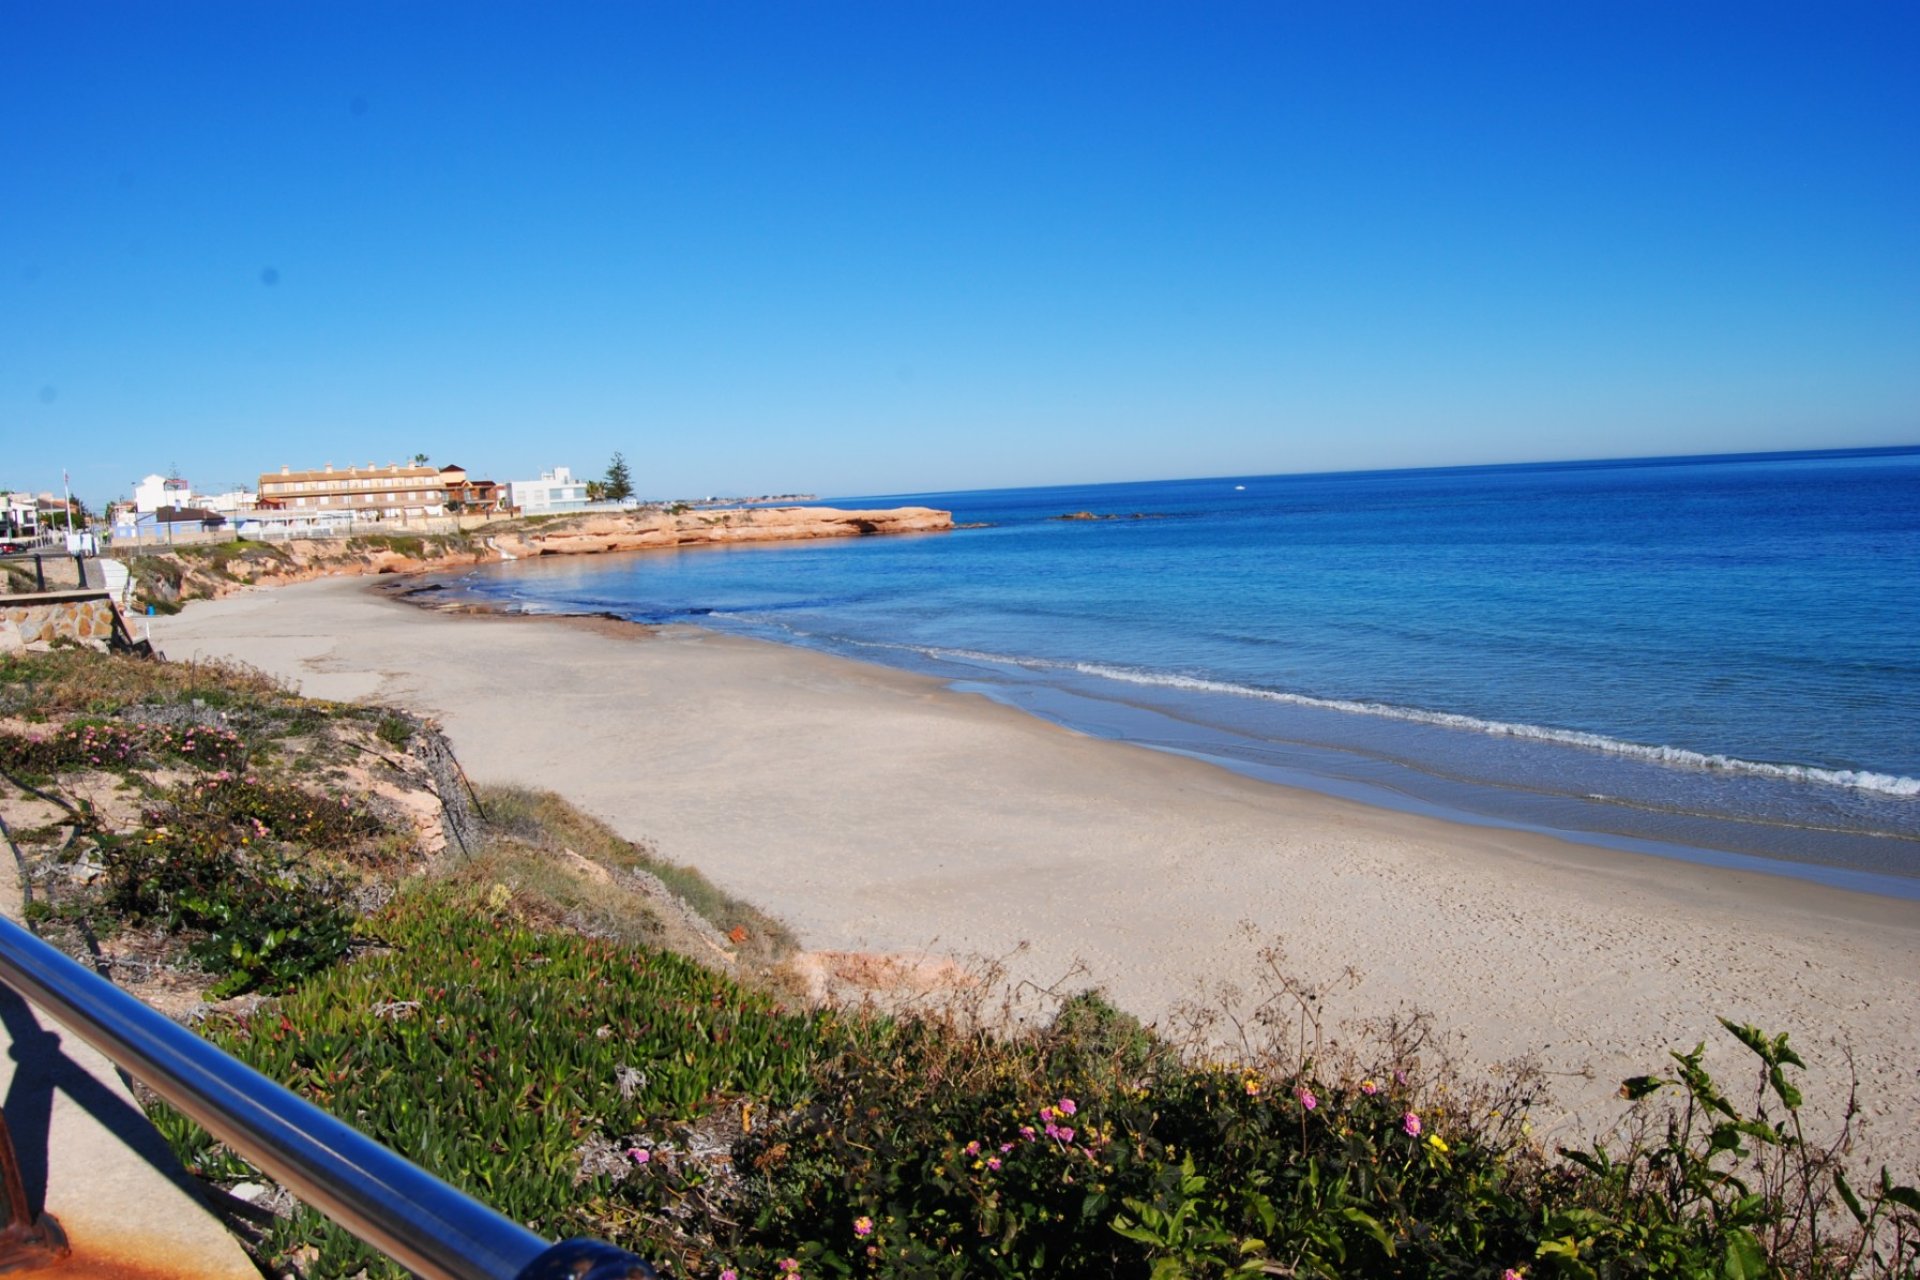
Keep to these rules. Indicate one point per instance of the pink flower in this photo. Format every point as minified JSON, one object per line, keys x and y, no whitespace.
{"x":1369,"y":1088}
{"x":1052,"y":1130}
{"x":639,"y":1155}
{"x":973,"y":1148}
{"x":1005,"y":1147}
{"x":729,"y":1274}
{"x":1067,"y":1107}
{"x":1411,"y":1123}
{"x":1511,"y":1274}
{"x":863,"y":1226}
{"x":1065,"y":1135}
{"x":1026,"y":1131}
{"x":1307,"y":1099}
{"x":788,"y":1266}
{"x":993,"y":1163}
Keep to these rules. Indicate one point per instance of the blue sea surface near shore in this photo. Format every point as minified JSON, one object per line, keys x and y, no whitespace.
{"x":1713,"y":658}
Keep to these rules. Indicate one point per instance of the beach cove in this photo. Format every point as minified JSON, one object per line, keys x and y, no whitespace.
{"x":875,"y":810}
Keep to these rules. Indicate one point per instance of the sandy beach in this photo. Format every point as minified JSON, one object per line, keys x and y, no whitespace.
{"x":880,"y":811}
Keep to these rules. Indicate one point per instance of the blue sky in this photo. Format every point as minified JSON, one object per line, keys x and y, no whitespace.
{"x":852,"y":248}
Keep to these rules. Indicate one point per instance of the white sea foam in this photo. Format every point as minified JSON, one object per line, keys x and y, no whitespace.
{"x":1679,"y":757}
{"x":958,"y":655}
{"x":1885,"y":784}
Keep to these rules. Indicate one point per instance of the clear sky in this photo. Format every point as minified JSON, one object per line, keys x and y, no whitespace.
{"x":868,"y":248}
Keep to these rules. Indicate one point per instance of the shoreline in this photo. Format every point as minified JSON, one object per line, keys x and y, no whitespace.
{"x":1811,"y":821}
{"x":446,"y":595}
{"x":875,"y":809}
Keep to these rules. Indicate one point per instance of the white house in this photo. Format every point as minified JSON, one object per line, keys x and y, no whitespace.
{"x":554,"y":491}
{"x":21,"y":517}
{"x":229,"y":504}
{"x":155,"y":492}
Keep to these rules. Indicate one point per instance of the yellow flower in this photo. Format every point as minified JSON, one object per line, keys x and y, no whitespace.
{"x":1433,"y":1140}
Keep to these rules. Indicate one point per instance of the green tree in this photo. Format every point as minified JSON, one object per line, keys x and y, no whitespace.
{"x":76,"y":517}
{"x":619,"y":482}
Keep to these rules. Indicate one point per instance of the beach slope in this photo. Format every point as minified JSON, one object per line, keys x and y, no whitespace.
{"x":880,"y":811}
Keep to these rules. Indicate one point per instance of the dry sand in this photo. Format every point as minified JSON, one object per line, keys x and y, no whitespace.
{"x":877,"y":810}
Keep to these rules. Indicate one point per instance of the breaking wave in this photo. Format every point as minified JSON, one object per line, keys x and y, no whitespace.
{"x":1862,"y":780}
{"x":1678,"y":757}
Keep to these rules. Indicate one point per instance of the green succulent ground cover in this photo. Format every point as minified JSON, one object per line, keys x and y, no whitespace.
{"x":522,"y":1029}
{"x":506,"y":1061}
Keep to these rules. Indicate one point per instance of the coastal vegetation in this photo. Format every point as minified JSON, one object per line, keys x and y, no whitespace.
{"x":597,"y":1041}
{"x":166,"y":579}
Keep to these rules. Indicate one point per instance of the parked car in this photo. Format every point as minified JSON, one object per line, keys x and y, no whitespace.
{"x":9,"y":547}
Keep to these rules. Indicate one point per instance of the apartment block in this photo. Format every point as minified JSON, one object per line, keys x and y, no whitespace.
{"x":391,"y":491}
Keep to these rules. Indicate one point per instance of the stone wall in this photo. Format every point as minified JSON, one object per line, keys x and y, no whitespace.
{"x":86,"y":616}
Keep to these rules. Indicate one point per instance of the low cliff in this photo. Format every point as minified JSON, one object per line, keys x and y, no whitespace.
{"x":589,"y":535}
{"x":208,"y":572}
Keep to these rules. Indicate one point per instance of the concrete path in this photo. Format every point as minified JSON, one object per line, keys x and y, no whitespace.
{"x":89,"y":1157}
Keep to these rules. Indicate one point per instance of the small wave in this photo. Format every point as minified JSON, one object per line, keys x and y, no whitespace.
{"x":1680,"y":757}
{"x":1674,"y":757}
{"x":955,"y":655}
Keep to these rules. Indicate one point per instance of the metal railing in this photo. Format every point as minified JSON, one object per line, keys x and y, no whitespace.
{"x":408,"y":1214}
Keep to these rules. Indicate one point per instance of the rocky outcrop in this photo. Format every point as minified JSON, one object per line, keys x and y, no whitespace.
{"x":211,"y":572}
{"x":589,"y":535}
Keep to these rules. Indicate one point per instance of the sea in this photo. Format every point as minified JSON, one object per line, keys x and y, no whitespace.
{"x":1708,"y":658}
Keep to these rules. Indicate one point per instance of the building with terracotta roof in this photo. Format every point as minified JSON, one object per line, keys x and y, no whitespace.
{"x":464,"y":493}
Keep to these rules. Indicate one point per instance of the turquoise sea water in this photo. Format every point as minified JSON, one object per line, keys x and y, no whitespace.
{"x":1714,"y":658}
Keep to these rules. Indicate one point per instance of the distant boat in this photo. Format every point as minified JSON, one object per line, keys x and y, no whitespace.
{"x":1239,"y":486}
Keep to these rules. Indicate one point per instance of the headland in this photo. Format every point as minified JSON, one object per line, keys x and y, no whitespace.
{"x":212,"y":570}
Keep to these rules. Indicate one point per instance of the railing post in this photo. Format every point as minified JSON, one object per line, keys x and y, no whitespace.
{"x":27,"y":1243}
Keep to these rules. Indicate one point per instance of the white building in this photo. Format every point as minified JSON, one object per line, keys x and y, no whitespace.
{"x":21,"y":517}
{"x":156,"y":491}
{"x":230,"y":504}
{"x":554,"y":491}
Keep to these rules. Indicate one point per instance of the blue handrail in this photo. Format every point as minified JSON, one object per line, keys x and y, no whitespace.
{"x":403,"y":1211}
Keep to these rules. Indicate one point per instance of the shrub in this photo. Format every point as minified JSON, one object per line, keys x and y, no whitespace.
{"x":511,"y":1063}
{"x":226,"y":805}
{"x":212,"y":863}
{"x":86,"y":681}
{"x":79,"y":745}
{"x":95,"y":744}
{"x":395,"y":731}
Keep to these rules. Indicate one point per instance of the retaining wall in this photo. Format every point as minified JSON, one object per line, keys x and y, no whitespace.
{"x":86,"y":616}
